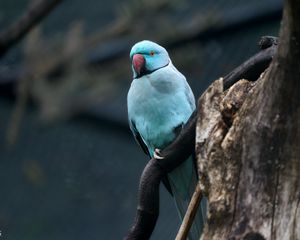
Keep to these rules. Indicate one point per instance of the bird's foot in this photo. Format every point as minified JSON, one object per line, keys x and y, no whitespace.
{"x":157,"y":154}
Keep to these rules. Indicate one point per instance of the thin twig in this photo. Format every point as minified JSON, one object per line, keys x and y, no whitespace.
{"x":18,"y":111}
{"x":190,"y":214}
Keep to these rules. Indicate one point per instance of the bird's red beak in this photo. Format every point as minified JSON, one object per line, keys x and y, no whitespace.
{"x":138,"y":62}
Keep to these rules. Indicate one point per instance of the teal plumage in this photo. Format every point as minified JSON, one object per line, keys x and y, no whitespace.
{"x":160,"y":102}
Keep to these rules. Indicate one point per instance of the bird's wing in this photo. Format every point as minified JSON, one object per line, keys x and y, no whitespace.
{"x":190,"y":96}
{"x":138,"y":138}
{"x":143,"y":146}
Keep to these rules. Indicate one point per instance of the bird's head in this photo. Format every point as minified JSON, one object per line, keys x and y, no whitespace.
{"x":147,"y":57}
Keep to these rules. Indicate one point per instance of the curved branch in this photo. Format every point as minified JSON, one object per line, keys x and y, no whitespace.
{"x":155,"y":170}
{"x":148,"y":208}
{"x":179,"y":150}
{"x":254,"y":66}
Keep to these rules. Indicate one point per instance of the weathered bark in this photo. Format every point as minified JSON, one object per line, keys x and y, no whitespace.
{"x":249,"y":152}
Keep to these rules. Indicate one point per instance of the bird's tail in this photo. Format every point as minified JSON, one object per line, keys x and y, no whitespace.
{"x":183,"y":181}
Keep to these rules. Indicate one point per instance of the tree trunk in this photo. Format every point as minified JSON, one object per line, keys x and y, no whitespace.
{"x":248,"y":147}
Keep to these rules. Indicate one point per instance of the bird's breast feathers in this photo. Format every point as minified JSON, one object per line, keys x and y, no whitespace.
{"x":158,"y":103}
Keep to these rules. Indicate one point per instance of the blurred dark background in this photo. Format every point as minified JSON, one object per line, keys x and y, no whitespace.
{"x":69,"y":165}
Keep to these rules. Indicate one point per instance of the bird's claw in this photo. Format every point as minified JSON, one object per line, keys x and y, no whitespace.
{"x":157,"y":154}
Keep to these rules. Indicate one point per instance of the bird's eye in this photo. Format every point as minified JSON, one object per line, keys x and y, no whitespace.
{"x":152,"y":53}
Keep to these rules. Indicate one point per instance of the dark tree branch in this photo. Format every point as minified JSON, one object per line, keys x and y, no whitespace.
{"x":16,"y":31}
{"x":254,"y":66}
{"x":155,"y":170}
{"x":181,"y":149}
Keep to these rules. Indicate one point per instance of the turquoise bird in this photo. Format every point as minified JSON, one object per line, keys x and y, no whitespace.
{"x":160,"y":102}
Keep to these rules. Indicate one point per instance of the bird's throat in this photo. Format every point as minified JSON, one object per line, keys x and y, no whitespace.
{"x":144,"y":71}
